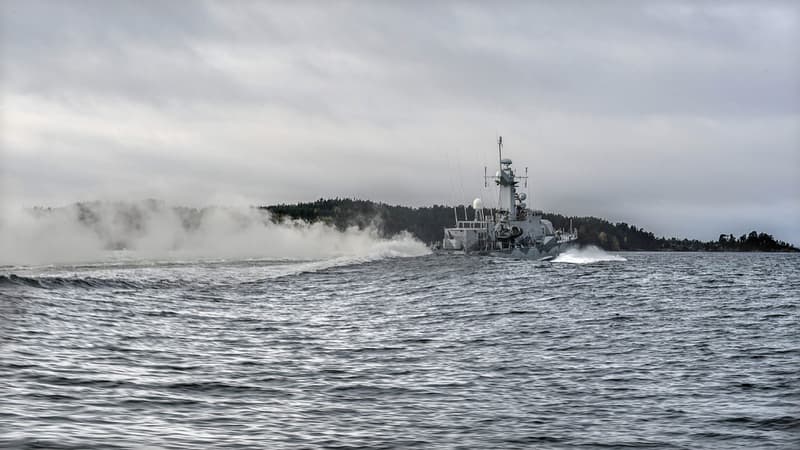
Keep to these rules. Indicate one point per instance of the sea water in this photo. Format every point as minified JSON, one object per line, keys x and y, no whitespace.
{"x":657,"y":350}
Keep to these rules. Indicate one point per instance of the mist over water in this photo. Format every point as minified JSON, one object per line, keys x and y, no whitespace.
{"x":104,"y":232}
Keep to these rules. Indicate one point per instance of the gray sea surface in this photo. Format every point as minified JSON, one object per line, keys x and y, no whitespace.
{"x":647,"y":350}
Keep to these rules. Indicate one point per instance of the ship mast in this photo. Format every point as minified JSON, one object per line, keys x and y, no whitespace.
{"x":507,"y":181}
{"x":500,"y":150}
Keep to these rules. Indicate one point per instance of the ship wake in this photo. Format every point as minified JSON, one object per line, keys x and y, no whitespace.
{"x":586,"y":255}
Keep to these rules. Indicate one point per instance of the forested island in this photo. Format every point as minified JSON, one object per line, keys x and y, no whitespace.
{"x":426,"y":223}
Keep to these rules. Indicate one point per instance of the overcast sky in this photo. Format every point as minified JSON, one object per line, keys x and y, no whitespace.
{"x":682,"y":117}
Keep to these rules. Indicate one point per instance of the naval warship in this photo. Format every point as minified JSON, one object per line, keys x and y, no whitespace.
{"x":511,"y":229}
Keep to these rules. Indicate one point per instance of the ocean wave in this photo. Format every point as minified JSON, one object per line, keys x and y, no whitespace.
{"x":51,"y":282}
{"x":116,"y":273}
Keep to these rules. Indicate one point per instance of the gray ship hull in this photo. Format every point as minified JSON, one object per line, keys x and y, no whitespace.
{"x":534,"y":253}
{"x":530,"y":253}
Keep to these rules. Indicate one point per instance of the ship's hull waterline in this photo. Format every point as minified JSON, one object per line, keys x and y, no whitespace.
{"x":527,"y":253}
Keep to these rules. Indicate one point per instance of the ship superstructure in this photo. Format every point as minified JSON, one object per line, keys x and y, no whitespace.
{"x":512,"y":229}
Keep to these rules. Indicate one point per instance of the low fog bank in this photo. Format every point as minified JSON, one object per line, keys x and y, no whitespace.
{"x":96,"y":231}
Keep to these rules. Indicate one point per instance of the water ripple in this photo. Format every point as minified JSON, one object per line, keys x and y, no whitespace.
{"x":646,"y":351}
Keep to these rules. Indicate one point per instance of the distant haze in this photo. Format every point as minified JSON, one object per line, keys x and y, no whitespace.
{"x":681,"y":117}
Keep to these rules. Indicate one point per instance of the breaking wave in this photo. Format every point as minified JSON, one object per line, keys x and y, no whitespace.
{"x":61,"y":282}
{"x":586,"y":255}
{"x":153,"y":231}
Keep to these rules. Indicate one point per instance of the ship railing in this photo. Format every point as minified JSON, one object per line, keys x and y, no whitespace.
{"x":472,"y":224}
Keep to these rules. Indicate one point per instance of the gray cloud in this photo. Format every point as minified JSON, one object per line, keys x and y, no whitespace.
{"x":681,"y":117}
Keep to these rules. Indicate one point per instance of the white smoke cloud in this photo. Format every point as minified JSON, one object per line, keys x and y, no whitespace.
{"x":151,"y":230}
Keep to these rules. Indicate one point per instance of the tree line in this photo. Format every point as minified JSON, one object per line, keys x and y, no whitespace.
{"x":427,"y":223}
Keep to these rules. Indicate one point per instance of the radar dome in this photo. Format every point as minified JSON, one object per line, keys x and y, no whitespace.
{"x":477,"y":204}
{"x":523,"y":196}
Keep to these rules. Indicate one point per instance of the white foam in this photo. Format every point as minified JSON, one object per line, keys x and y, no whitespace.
{"x":586,"y":255}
